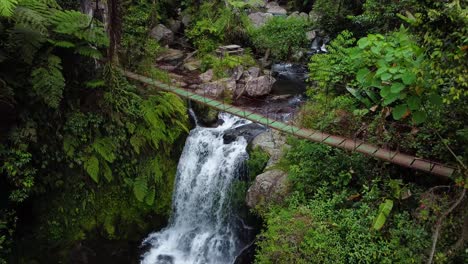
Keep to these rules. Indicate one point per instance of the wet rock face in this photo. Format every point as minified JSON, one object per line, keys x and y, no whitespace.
{"x":269,"y":187}
{"x":249,"y":132}
{"x":162,"y":34}
{"x":289,"y":72}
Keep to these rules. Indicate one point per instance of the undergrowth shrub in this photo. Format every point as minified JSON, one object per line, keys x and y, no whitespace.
{"x":282,"y":36}
{"x":331,"y":214}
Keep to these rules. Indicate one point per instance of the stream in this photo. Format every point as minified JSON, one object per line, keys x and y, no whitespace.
{"x":203,"y":227}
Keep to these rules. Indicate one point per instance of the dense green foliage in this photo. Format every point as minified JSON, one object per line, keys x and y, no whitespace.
{"x":89,"y":154}
{"x":340,"y":211}
{"x":289,"y":36}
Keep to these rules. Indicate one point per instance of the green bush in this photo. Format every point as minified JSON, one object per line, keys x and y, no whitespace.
{"x":222,"y":65}
{"x":257,"y":161}
{"x":332,"y":213}
{"x":282,"y":35}
{"x":326,"y":230}
{"x":214,"y":26}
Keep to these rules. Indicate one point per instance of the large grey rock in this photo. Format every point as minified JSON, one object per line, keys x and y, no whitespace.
{"x":162,"y":34}
{"x":186,"y":19}
{"x":310,"y":35}
{"x":174,"y":25}
{"x":171,"y":55}
{"x":269,"y":187}
{"x":259,"y":86}
{"x":259,"y":19}
{"x":254,"y":72}
{"x":192,"y":64}
{"x":273,"y":143}
{"x":207,"y":76}
{"x":216,"y":88}
{"x":275,"y":9}
{"x":249,"y":132}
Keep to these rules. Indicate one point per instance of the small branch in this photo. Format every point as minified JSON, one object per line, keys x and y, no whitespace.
{"x":435,"y":236}
{"x":463,"y":237}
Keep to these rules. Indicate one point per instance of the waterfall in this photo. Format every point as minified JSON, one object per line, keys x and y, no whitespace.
{"x":202,"y":228}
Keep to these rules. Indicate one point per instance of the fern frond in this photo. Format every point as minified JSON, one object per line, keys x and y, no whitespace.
{"x":91,"y":165}
{"x":88,"y":51}
{"x":62,"y":43}
{"x":48,"y":82}
{"x":140,"y":188}
{"x":150,"y":195}
{"x":95,"y":83}
{"x":32,"y":18}
{"x":78,"y":25}
{"x":106,"y":148}
{"x":137,"y":141}
{"x":25,"y":41}
{"x":7,"y":7}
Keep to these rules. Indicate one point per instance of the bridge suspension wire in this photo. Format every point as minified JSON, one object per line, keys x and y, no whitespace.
{"x":356,"y":145}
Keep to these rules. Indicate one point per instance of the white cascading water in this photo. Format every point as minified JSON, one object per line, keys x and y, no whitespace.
{"x":201,"y":229}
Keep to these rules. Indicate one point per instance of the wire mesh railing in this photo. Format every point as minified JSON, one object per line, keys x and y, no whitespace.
{"x":356,"y":145}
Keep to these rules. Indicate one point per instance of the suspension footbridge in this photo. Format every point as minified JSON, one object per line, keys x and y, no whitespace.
{"x":395,"y":157}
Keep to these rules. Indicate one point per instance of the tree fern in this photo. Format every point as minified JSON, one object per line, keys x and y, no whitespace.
{"x":91,"y":165}
{"x":7,"y":7}
{"x":78,"y":25}
{"x":48,"y":82}
{"x":25,"y":42}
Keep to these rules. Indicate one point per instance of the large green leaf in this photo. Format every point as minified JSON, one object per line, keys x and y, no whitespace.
{"x":384,"y":211}
{"x":386,"y":76}
{"x":91,"y":166}
{"x":385,"y":91}
{"x":397,"y":87}
{"x":419,"y":117}
{"x":362,"y":74}
{"x":399,"y":111}
{"x":408,"y":78}
{"x":414,"y":102}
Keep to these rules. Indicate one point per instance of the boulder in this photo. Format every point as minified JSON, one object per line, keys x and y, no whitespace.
{"x":254,"y":72}
{"x":310,"y":35}
{"x":216,"y":88}
{"x":299,"y":15}
{"x":273,"y":143}
{"x":259,"y":86}
{"x":269,"y":187}
{"x":206,"y":76}
{"x":238,"y":72}
{"x":275,"y":9}
{"x":171,"y":55}
{"x":314,"y":16}
{"x":162,"y":34}
{"x":192,"y":64}
{"x":186,"y":19}
{"x":249,"y":132}
{"x":174,"y":25}
{"x":259,"y":19}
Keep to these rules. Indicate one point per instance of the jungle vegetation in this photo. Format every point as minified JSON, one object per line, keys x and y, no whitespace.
{"x":88,"y":156}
